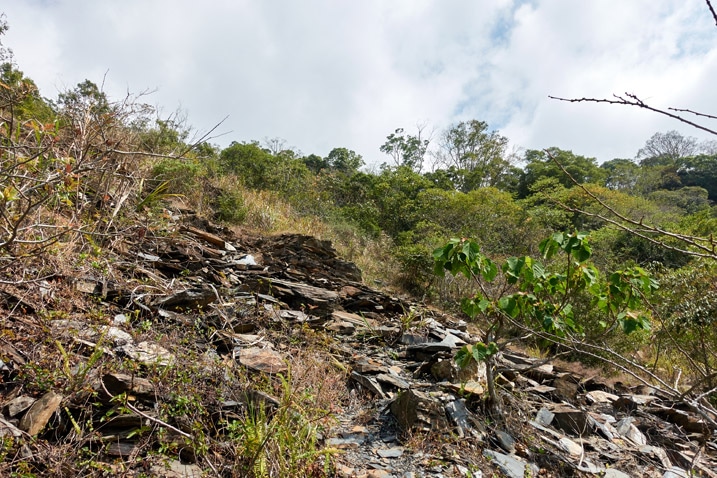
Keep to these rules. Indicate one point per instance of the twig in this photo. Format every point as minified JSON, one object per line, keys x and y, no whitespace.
{"x":632,"y":100}
{"x":712,"y":10}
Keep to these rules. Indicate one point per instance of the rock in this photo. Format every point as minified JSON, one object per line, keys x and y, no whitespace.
{"x":379,"y":474}
{"x":189,"y":299}
{"x":570,"y":446}
{"x":148,"y":353}
{"x":357,"y":320}
{"x":344,"y":443}
{"x":473,"y":372}
{"x":416,"y":410}
{"x":625,"y":428}
{"x":657,"y":452}
{"x":395,"y":452}
{"x":505,"y":441}
{"x":471,"y":387}
{"x":258,"y":399}
{"x":296,"y":294}
{"x":393,"y":380}
{"x":443,"y":370}
{"x":603,"y":428}
{"x":458,"y":412}
{"x":40,"y":413}
{"x":427,"y":349}
{"x":176,"y":469}
{"x":18,"y":405}
{"x":117,"y":383}
{"x":676,"y":472}
{"x":118,"y":336}
{"x":368,"y":383}
{"x":343,"y":471}
{"x":613,"y":473}
{"x":689,"y":422}
{"x":7,"y":429}
{"x":511,"y":465}
{"x":452,"y":341}
{"x":121,"y":448}
{"x":341,"y":328}
{"x":570,"y":419}
{"x":368,"y":365}
{"x":263,"y":360}
{"x":565,"y":388}
{"x":599,"y":396}
{"x":544,"y":417}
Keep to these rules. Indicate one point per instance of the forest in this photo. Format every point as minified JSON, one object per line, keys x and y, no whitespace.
{"x":611,"y":264}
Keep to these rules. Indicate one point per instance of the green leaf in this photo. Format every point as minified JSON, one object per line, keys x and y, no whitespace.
{"x":490,"y":270}
{"x":549,"y":247}
{"x":482,"y":351}
{"x":470,"y":307}
{"x":464,"y":356}
{"x":477,"y":352}
{"x":509,"y":305}
{"x":582,"y":252}
{"x":538,"y":270}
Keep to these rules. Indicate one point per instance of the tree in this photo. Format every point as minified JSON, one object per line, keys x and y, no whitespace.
{"x":405,"y":149}
{"x":663,"y":148}
{"x":344,"y":160}
{"x":622,"y":175}
{"x":475,"y":156}
{"x":27,"y":102}
{"x":538,"y":302}
{"x":315,"y":163}
{"x":541,"y":164}
{"x":700,"y":171}
{"x":86,"y":97}
{"x":249,"y":161}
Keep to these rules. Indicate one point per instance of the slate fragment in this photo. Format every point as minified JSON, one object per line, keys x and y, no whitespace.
{"x":40,"y":413}
{"x":262,"y":360}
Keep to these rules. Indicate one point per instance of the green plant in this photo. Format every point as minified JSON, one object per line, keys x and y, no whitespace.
{"x":523,"y":295}
{"x":281,"y":441}
{"x":231,"y":207}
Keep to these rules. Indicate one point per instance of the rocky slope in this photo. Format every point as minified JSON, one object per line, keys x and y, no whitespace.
{"x":144,"y":363}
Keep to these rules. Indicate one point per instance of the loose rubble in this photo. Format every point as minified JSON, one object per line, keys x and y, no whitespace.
{"x":559,"y":424}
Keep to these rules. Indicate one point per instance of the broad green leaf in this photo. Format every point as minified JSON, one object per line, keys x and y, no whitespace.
{"x":549,"y":247}
{"x":582,"y":252}
{"x":490,"y":270}
{"x":464,"y":356}
{"x":471,"y":308}
{"x":482,"y":351}
{"x":538,"y":270}
{"x":509,"y":305}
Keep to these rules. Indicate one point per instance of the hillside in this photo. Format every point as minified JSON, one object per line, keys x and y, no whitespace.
{"x":172,"y":308}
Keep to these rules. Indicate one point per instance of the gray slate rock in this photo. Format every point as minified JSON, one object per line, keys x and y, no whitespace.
{"x":511,"y":465}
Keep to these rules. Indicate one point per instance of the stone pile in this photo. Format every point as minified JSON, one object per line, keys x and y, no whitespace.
{"x":396,"y":352}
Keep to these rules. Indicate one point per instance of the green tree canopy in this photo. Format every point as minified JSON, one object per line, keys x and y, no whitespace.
{"x":541,"y":165}
{"x":474,"y":156}
{"x":405,"y":149}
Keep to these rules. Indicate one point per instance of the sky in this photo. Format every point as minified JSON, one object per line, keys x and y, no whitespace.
{"x":320,"y":74}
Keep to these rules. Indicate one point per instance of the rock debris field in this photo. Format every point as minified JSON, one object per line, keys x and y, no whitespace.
{"x":259,"y":309}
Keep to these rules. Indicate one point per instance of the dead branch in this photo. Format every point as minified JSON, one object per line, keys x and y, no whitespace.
{"x":630,"y":99}
{"x":712,"y":11}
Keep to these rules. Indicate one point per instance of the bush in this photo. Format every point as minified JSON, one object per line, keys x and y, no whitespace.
{"x":230,"y":207}
{"x":183,"y":175}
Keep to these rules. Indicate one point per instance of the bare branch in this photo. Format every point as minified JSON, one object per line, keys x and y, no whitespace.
{"x":712,"y":10}
{"x":632,"y":100}
{"x":696,"y":113}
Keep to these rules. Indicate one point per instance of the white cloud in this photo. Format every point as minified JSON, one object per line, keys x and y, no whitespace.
{"x":327,"y":73}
